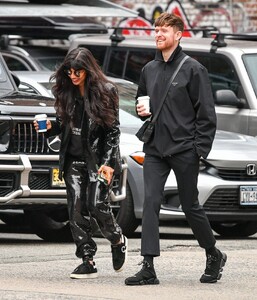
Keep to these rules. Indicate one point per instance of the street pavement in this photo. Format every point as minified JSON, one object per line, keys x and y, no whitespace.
{"x":33,"y":269}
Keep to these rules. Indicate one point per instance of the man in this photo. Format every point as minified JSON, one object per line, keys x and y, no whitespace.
{"x":184,"y":132}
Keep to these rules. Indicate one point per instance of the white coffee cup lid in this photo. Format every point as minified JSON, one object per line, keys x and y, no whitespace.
{"x":40,"y":116}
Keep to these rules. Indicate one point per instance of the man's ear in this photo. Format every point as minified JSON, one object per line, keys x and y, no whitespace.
{"x":178,"y":35}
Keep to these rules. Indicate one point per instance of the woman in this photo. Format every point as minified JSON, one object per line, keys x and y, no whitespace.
{"x":87,"y":121}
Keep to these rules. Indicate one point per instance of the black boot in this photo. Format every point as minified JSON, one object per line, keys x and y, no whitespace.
{"x":214,"y":267}
{"x":145,"y":276}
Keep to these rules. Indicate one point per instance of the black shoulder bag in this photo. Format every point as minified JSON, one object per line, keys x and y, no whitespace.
{"x":145,"y":132}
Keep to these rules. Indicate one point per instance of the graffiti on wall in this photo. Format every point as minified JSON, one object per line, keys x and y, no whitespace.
{"x":212,"y":14}
{"x":141,"y":23}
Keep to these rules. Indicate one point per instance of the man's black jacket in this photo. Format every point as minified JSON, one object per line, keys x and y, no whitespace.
{"x":187,"y":119}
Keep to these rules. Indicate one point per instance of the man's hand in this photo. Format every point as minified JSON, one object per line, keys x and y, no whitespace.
{"x":141,"y":110}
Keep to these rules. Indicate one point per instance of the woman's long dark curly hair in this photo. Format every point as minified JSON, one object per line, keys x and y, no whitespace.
{"x":101,"y":93}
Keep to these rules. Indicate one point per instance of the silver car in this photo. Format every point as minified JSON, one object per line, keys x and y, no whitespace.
{"x":227,"y":180}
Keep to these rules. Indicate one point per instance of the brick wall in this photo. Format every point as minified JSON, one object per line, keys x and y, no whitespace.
{"x":229,"y":15}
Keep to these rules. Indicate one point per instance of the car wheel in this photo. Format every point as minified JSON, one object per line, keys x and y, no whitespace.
{"x":124,"y":213}
{"x":52,"y":225}
{"x":241,"y":229}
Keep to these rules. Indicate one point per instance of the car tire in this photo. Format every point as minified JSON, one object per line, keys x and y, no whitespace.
{"x":240,"y":229}
{"x":50,"y":225}
{"x":124,"y":214}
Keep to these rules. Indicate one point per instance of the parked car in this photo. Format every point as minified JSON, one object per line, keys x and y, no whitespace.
{"x":227,"y":180}
{"x":231,"y":62}
{"x":33,"y":57}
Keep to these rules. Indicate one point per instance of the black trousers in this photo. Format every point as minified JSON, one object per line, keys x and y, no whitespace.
{"x":88,"y":202}
{"x":156,"y":170}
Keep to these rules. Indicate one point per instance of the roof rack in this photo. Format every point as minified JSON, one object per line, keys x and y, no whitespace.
{"x":251,"y":36}
{"x":117,"y":35}
{"x":219,"y":40}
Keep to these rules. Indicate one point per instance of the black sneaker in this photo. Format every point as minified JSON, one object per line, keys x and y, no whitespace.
{"x":84,"y":271}
{"x":214,"y":267}
{"x":119,"y":254}
{"x":145,"y":276}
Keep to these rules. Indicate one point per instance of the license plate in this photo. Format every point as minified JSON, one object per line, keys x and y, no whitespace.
{"x":55,"y":181}
{"x":248,"y":195}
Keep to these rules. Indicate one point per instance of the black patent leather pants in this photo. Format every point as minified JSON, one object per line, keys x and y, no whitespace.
{"x":88,"y":202}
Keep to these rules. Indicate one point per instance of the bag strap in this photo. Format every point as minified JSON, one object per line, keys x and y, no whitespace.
{"x":166,"y":92}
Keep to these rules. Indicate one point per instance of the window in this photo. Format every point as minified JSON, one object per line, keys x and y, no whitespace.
{"x":135,"y":63}
{"x":128,"y":64}
{"x":250,"y":61}
{"x":222,"y":73}
{"x":99,"y":52}
{"x":15,"y":64}
{"x":116,"y":63}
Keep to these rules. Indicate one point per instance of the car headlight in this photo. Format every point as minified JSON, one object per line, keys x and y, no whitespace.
{"x":138,"y":157}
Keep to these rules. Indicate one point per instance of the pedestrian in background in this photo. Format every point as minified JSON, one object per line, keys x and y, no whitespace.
{"x":184,"y":132}
{"x":87,"y":109}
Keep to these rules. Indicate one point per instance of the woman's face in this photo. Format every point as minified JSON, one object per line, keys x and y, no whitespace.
{"x":77,"y":77}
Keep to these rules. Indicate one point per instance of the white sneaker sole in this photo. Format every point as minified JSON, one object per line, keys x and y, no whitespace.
{"x":84,"y":276}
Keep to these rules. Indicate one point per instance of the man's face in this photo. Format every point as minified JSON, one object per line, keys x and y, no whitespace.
{"x":166,"y":37}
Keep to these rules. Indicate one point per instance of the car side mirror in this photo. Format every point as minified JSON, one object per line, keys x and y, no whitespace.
{"x":228,"y":97}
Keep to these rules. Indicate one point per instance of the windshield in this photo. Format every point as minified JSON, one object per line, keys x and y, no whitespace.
{"x":128,"y":116}
{"x":6,"y":86}
{"x":250,"y":61}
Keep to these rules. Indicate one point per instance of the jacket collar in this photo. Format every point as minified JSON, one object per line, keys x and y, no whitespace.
{"x":174,"y":55}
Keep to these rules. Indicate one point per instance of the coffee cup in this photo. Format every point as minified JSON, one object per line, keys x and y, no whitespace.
{"x":146,"y":101}
{"x":41,"y":120}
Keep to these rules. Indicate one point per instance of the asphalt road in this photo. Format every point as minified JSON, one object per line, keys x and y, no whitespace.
{"x":33,"y":269}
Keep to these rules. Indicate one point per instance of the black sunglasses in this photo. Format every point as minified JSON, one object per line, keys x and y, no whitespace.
{"x":77,"y":73}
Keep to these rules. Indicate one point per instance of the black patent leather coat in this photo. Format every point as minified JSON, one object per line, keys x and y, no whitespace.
{"x":100,"y":145}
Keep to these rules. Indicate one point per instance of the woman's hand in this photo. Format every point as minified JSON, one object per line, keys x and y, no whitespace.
{"x":48,"y":124}
{"x":106,"y":173}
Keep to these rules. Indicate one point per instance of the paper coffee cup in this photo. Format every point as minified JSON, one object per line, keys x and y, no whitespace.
{"x":146,"y":101}
{"x":41,"y":120}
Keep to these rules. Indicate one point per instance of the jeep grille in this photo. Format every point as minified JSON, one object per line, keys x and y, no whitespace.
{"x":27,"y":140}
